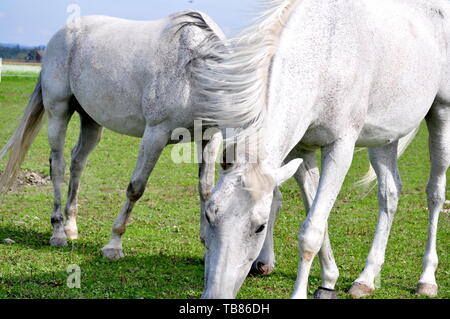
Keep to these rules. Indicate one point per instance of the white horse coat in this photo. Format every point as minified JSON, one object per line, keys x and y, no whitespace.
{"x":330,"y":75}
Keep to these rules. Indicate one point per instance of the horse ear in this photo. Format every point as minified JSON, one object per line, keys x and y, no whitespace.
{"x":285,"y":172}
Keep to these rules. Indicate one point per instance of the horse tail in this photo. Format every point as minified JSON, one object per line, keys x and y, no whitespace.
{"x":22,"y":139}
{"x":403,"y":144}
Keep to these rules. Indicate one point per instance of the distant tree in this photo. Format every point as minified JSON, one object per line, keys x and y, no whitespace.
{"x":18,"y":53}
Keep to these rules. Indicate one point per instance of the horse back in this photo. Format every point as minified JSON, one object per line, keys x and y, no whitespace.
{"x":125,"y":74}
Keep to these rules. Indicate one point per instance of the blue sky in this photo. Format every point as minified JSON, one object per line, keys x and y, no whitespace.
{"x":33,"y":22}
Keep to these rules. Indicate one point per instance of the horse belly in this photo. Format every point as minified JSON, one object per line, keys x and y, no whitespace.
{"x":118,"y":115}
{"x":113,"y":102}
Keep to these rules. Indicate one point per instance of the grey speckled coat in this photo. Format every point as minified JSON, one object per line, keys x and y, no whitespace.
{"x":132,"y":77}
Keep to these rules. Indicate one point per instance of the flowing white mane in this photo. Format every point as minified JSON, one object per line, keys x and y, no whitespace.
{"x":232,"y":80}
{"x":232,"y":83}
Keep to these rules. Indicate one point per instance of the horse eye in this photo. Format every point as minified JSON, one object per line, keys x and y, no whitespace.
{"x":260,"y":229}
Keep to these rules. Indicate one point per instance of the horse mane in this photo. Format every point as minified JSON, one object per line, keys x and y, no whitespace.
{"x":232,"y":82}
{"x":191,"y":18}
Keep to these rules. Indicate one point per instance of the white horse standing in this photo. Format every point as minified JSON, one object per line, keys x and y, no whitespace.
{"x":131,"y":77}
{"x":326,"y":74}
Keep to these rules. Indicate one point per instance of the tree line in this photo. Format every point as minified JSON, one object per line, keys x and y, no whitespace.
{"x":17,"y":52}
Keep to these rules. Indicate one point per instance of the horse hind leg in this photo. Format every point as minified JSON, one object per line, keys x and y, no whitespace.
{"x":59,"y":114}
{"x":90,"y":134}
{"x":384,"y":161}
{"x":438,"y":122}
{"x":152,"y":145}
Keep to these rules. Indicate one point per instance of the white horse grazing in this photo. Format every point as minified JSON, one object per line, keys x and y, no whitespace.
{"x":327,"y":74}
{"x":131,"y":77}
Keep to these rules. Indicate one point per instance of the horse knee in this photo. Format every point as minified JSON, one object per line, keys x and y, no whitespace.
{"x":135,"y":190}
{"x":310,"y":239}
{"x":205,"y":190}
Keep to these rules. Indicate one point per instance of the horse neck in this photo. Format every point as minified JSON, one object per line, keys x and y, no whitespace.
{"x":294,"y":83}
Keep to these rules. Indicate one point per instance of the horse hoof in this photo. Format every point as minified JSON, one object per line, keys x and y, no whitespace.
{"x":429,"y":290}
{"x":58,"y":241}
{"x":360,"y":290}
{"x":325,"y":293}
{"x":113,"y":253}
{"x":72,"y":234}
{"x":260,"y":269}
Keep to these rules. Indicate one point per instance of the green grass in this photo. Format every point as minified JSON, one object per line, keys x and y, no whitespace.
{"x":163,"y":252}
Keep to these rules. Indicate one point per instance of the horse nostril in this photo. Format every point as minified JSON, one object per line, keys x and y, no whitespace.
{"x":263,"y":269}
{"x":260,"y":269}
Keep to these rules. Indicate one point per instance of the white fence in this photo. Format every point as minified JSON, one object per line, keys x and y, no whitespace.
{"x":19,"y":69}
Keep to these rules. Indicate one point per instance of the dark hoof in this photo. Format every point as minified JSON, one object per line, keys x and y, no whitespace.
{"x":325,"y":293}
{"x":260,"y":269}
{"x":58,"y":241}
{"x":113,"y":253}
{"x":360,"y":290}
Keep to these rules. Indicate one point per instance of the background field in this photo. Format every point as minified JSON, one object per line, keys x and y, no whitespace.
{"x":21,"y":69}
{"x":163,"y":252}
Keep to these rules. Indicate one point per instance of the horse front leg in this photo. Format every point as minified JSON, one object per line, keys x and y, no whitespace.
{"x":207,"y":174}
{"x":153,"y":143}
{"x":336,"y":161}
{"x":307,"y":178}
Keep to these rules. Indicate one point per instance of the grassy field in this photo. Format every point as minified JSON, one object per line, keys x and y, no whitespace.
{"x":163,"y":252}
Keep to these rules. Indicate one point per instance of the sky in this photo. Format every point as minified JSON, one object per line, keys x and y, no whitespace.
{"x":33,"y":22}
